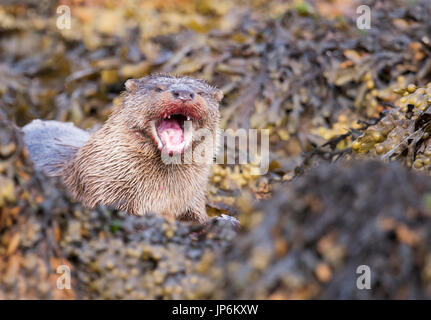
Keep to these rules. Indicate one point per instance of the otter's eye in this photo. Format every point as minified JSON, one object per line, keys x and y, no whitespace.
{"x":158,"y":89}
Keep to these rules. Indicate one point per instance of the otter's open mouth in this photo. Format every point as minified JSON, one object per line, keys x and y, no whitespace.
{"x":173,"y":132}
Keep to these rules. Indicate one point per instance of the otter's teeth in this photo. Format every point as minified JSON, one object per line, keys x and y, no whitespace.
{"x":155,"y":135}
{"x":169,"y":116}
{"x":188,"y":118}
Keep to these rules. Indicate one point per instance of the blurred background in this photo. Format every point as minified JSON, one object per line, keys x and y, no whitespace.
{"x":346,"y":108}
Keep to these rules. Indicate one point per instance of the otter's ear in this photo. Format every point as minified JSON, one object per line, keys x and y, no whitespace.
{"x":218,"y":95}
{"x":131,"y":85}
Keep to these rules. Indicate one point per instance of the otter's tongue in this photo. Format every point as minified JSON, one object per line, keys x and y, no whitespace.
{"x":171,"y":135}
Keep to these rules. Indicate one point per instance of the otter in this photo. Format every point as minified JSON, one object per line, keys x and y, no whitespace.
{"x":121,"y":165}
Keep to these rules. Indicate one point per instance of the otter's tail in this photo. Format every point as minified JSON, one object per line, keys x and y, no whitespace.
{"x":53,"y":144}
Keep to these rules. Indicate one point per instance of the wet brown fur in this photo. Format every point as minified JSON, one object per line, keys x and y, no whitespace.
{"x":121,"y":166}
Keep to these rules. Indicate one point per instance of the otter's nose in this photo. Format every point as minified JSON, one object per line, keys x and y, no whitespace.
{"x":184,"y":95}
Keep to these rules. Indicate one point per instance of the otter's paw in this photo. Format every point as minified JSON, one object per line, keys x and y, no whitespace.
{"x":224,"y":218}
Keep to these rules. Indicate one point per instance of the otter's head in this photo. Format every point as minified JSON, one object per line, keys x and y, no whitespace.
{"x":167,"y":109}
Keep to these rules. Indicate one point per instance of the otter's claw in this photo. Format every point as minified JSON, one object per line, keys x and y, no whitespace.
{"x":234,"y":221}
